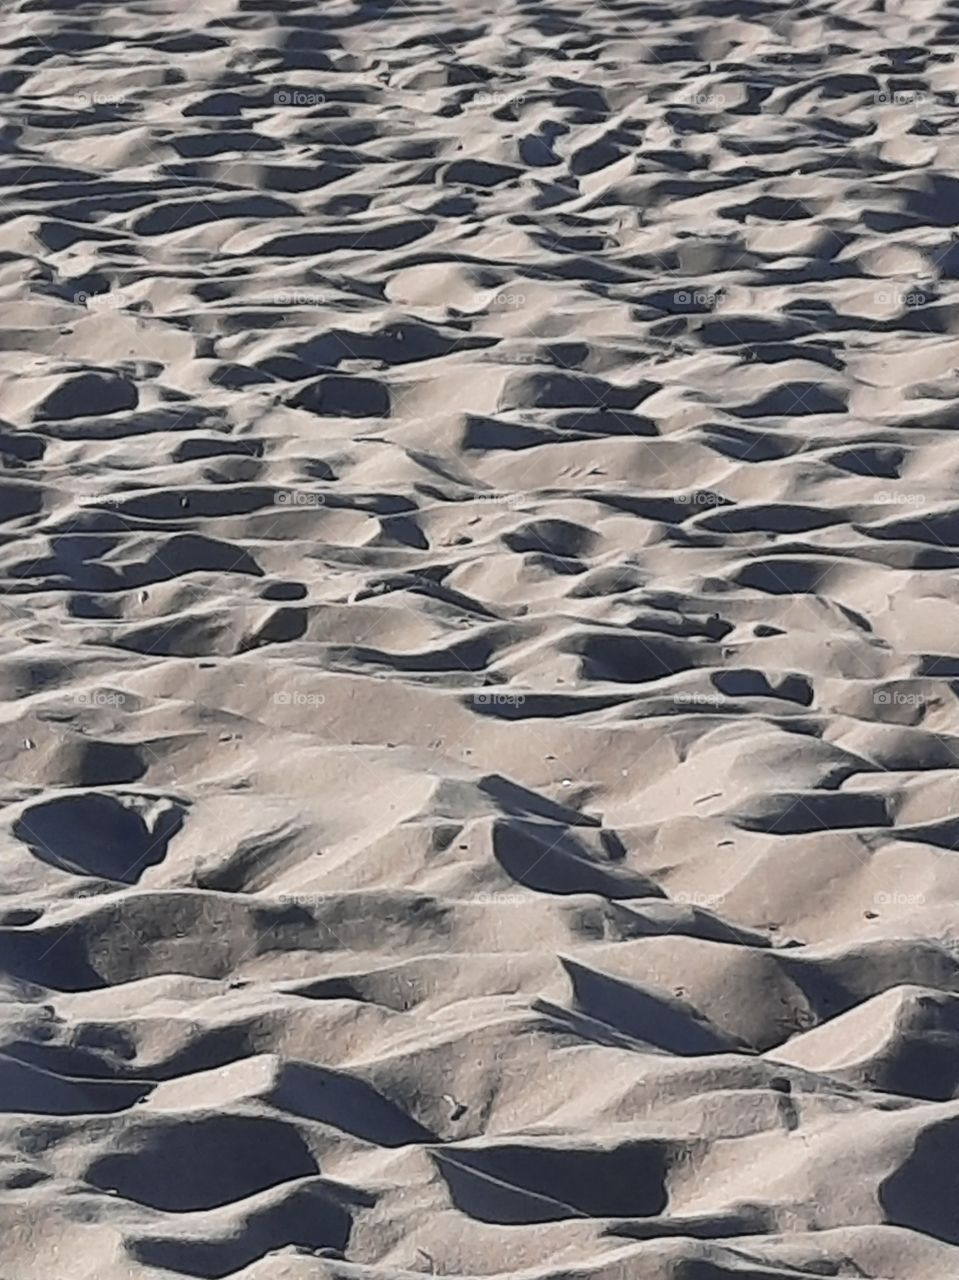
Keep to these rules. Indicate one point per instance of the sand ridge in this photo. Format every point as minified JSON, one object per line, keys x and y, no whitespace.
{"x":478,"y":660}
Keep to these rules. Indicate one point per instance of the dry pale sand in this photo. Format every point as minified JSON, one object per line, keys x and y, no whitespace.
{"x":480,"y":522}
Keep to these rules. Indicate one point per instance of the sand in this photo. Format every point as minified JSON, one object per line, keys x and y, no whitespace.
{"x":479,"y":654}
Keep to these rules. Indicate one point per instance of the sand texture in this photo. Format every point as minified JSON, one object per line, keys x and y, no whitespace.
{"x":479,"y":532}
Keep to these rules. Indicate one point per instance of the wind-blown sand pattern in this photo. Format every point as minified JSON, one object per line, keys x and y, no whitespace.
{"x":480,"y":532}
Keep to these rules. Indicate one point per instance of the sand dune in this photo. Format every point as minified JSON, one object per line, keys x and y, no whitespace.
{"x":479,"y":664}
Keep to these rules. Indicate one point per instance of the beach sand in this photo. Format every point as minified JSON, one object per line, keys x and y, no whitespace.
{"x":480,"y":522}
